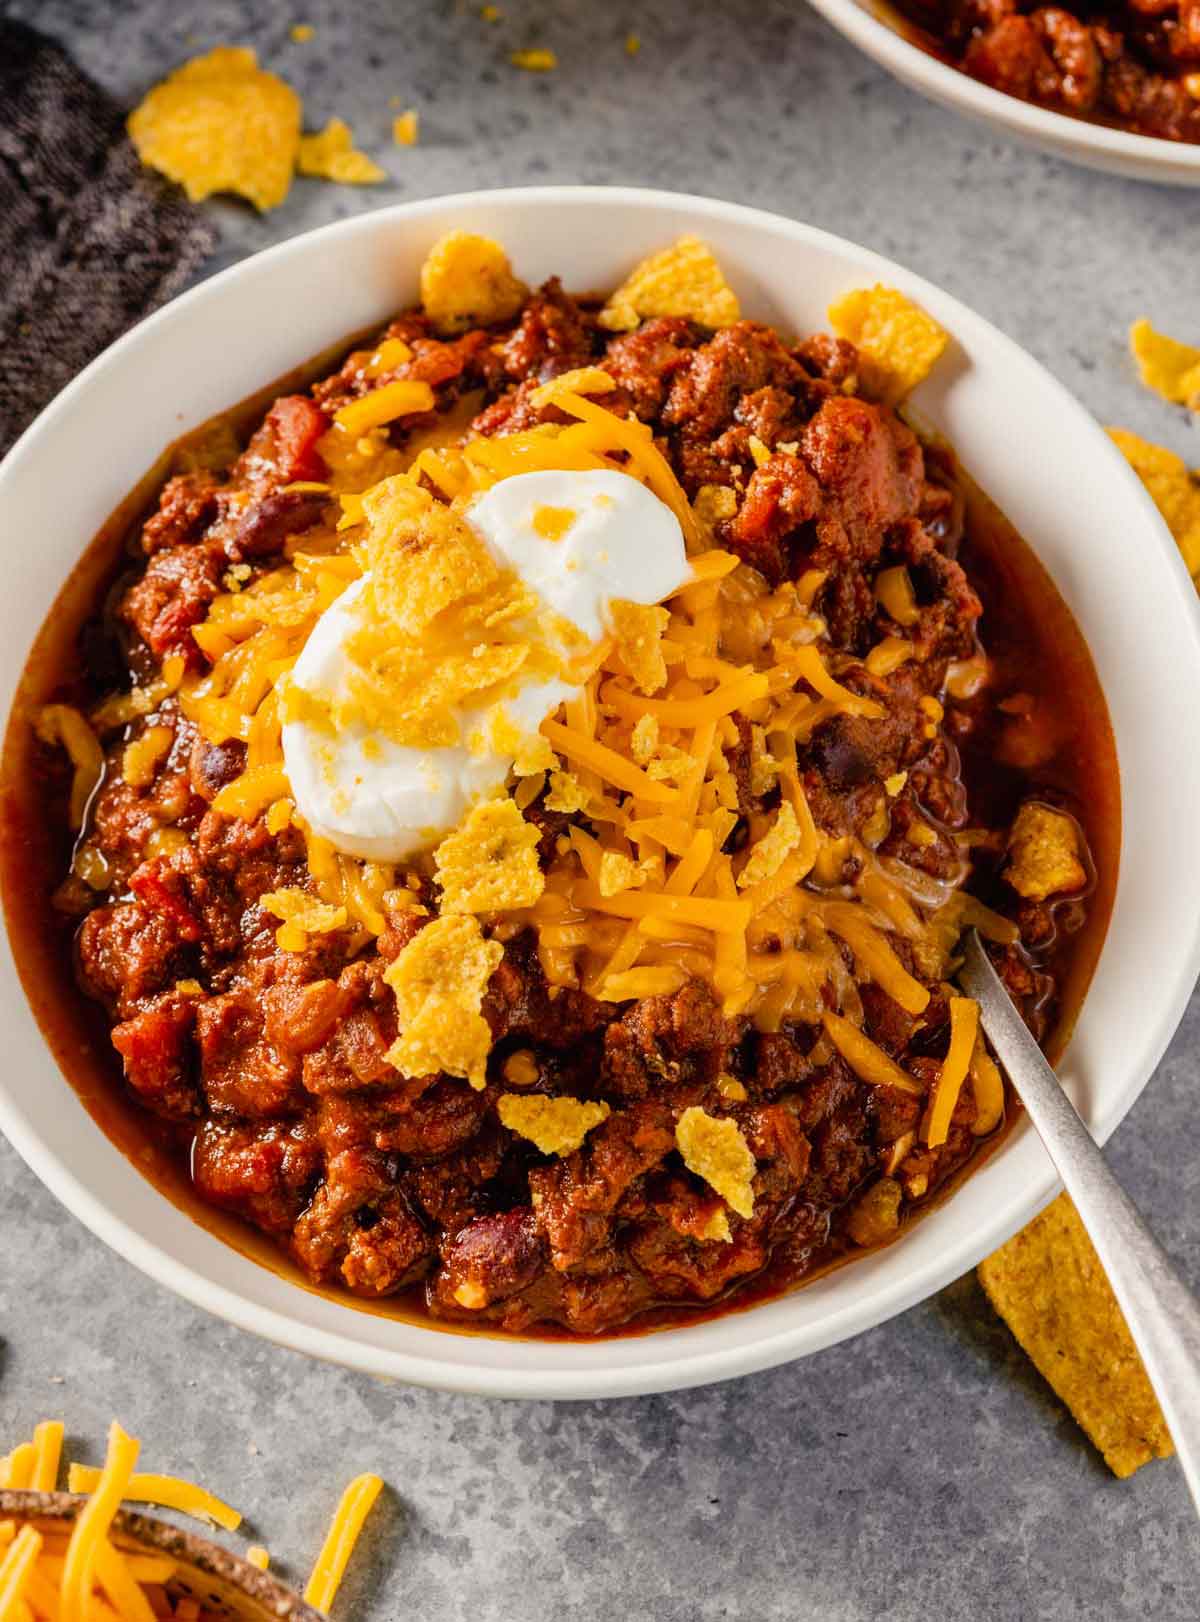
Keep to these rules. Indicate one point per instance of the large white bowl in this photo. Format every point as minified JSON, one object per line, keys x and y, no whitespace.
{"x":875,"y":29}
{"x":1025,"y":440}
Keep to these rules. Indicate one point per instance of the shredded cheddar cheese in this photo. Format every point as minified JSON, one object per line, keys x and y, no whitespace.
{"x":85,"y":1571}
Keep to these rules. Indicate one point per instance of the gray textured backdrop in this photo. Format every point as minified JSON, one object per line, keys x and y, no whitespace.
{"x":923,"y":1470}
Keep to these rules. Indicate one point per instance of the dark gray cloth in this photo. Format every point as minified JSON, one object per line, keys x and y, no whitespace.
{"x":90,"y":241}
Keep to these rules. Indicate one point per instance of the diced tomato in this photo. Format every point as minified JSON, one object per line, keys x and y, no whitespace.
{"x":149,"y":884}
{"x":297,"y":424}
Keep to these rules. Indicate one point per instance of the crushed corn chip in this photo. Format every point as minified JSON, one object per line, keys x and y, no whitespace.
{"x":1049,"y":1287}
{"x":566,"y":793}
{"x":639,"y":631}
{"x":633,"y":44}
{"x":1174,"y":491}
{"x":406,"y":127}
{"x":534,"y":61}
{"x":303,"y":915}
{"x":439,"y":980}
{"x":1168,"y":367}
{"x":714,"y":503}
{"x":618,"y":873}
{"x":557,"y":1126}
{"x":220,"y":123}
{"x":490,"y":863}
{"x":302,"y":32}
{"x":467,"y":281}
{"x":684,"y":279}
{"x":331,"y":155}
{"x":1043,"y":853}
{"x":713,"y":1148}
{"x":768,"y":855}
{"x":898,"y":342}
{"x":643,"y":740}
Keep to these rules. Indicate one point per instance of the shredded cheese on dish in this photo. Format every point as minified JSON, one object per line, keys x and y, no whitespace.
{"x":81,"y":1572}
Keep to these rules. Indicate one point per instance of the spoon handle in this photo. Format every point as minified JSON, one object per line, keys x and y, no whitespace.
{"x":1162,"y":1314}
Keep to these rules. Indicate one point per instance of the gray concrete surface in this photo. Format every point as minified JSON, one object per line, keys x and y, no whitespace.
{"x":923,"y":1470}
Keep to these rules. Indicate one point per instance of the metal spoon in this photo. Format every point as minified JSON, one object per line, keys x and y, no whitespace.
{"x":1162,"y":1314}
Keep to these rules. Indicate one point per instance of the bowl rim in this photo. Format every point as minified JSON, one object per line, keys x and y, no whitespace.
{"x":874,"y":34}
{"x":147,"y":1532}
{"x":582,"y":1377}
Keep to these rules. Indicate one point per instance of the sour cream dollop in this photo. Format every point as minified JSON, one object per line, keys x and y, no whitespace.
{"x":579,"y":540}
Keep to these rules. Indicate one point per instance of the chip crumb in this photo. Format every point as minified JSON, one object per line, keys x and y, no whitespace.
{"x":639,"y":632}
{"x":490,"y":862}
{"x":490,"y":14}
{"x":557,"y":1126}
{"x":619,"y":873}
{"x":566,"y":793}
{"x":713,"y":1147}
{"x":302,"y":915}
{"x":899,"y":344}
{"x":1174,"y":491}
{"x":1168,"y":367}
{"x":439,"y":980}
{"x":770,"y":852}
{"x":467,"y":281}
{"x":537,"y":60}
{"x":1043,"y":853}
{"x":633,"y":44}
{"x":220,"y":123}
{"x":715,"y":503}
{"x":406,"y":127}
{"x":331,"y":155}
{"x":1049,"y":1287}
{"x":684,"y":279}
{"x":301,"y":32}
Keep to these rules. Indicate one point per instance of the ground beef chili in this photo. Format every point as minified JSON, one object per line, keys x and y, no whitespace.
{"x":1134,"y":63}
{"x":263,"y":1071}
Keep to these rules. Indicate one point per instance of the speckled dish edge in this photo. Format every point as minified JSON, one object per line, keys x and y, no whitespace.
{"x":1027,"y":442}
{"x":270,"y":1599}
{"x":1096,"y":146}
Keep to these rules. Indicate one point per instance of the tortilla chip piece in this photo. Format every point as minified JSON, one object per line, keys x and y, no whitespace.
{"x":1043,"y":853}
{"x":684,"y":279}
{"x":1168,"y":367}
{"x":1049,"y":1287}
{"x":467,"y":281}
{"x":557,"y":1126}
{"x":220,"y":123}
{"x":490,"y":862}
{"x":439,"y":980}
{"x":1174,"y":491}
{"x":713,"y":1147}
{"x":639,"y":631}
{"x":898,"y":342}
{"x":331,"y":156}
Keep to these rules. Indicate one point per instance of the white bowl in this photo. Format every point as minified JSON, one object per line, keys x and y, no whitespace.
{"x":875,"y":30}
{"x":1025,"y":440}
